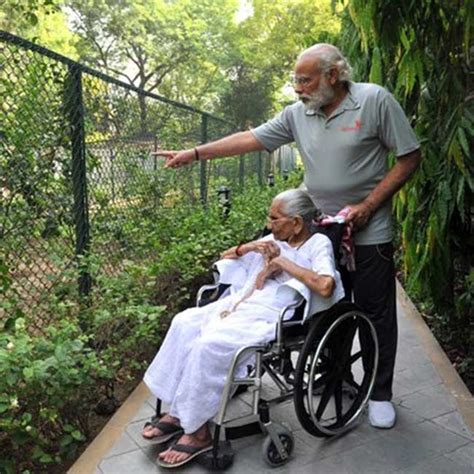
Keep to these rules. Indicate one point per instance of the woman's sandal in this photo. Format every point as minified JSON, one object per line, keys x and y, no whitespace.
{"x":185,"y":448}
{"x":169,"y":430}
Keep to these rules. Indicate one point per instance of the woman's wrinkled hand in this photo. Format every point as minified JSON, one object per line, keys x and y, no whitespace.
{"x":271,"y":269}
{"x":267,"y":248}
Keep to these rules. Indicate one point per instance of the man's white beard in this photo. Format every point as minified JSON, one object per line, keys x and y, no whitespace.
{"x":320,"y":97}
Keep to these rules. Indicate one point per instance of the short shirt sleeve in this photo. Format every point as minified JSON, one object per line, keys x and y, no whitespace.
{"x":395,"y":131}
{"x":322,"y":256}
{"x":276,"y":132}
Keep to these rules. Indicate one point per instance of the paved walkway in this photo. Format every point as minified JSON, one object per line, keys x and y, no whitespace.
{"x":431,"y":436}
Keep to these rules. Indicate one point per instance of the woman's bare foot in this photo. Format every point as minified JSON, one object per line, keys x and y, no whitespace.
{"x":199,"y":439}
{"x":150,"y":432}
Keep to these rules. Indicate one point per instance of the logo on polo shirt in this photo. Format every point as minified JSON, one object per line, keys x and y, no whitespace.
{"x":357,"y":126}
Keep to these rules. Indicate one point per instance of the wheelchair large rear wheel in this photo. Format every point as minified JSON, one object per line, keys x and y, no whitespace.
{"x":335,"y":372}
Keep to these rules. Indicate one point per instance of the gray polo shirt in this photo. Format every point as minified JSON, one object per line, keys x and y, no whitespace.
{"x":345,"y":155}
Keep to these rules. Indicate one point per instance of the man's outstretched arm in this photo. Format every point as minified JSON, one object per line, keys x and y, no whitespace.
{"x":236,"y":144}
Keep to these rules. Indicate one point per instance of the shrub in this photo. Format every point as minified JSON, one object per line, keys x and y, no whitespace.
{"x":51,"y":381}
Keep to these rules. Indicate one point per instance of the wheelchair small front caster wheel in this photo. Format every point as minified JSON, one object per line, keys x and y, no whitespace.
{"x":270,"y":452}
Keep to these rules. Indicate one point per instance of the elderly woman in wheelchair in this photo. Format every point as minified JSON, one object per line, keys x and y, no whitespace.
{"x":210,"y":349}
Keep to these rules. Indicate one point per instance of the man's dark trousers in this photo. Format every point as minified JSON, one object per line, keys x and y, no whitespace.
{"x":372,"y":286}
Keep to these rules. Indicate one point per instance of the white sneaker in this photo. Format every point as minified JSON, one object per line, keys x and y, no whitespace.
{"x":382,"y":414}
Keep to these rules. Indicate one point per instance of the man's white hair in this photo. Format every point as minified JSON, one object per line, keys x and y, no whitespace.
{"x":328,"y":56}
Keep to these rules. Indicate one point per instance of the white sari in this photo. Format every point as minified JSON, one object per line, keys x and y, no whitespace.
{"x":189,"y":371}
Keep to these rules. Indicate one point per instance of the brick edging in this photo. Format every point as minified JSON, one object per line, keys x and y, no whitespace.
{"x":110,"y":433}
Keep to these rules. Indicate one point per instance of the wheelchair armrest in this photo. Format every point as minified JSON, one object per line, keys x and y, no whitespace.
{"x":214,"y":291}
{"x":299,"y":304}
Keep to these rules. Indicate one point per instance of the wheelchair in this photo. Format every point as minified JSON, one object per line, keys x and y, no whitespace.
{"x":326,"y":363}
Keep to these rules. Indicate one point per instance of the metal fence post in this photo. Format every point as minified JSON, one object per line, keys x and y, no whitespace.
{"x":241,"y":171}
{"x":259,"y":169}
{"x":203,"y":174}
{"x":75,"y":113}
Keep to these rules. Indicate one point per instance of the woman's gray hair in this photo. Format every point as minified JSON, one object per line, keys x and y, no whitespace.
{"x":297,"y":202}
{"x":329,"y":56}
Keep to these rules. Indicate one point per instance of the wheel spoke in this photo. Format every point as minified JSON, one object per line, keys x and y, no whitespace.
{"x":338,"y":400}
{"x":351,"y":381}
{"x":322,"y":380}
{"x":325,"y":397}
{"x":317,"y":384}
{"x":353,"y":358}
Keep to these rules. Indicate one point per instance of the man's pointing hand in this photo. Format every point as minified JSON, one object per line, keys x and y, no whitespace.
{"x":176,"y":159}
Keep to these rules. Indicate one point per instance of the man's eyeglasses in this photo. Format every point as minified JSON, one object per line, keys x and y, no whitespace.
{"x":301,"y":80}
{"x":305,"y":80}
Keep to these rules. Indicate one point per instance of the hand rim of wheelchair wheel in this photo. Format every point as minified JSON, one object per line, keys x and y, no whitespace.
{"x":270,"y":452}
{"x":334,"y":430}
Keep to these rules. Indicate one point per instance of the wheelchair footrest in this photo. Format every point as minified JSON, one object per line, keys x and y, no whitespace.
{"x":236,"y":432}
{"x":223,"y":459}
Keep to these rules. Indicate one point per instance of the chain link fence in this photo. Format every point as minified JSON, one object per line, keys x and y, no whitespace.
{"x":76,"y":173}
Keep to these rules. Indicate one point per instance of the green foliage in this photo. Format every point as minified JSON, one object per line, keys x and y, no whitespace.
{"x":46,"y":385}
{"x":40,"y":21}
{"x":198,"y":52}
{"x":264,"y":49}
{"x":51,"y":382}
{"x":25,"y":15}
{"x":430,"y":79}
{"x":431,"y":83}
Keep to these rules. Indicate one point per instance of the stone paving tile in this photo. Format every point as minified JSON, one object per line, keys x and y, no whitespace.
{"x":408,"y":343}
{"x":325,"y":447}
{"x":438,"y":465}
{"x":430,"y":436}
{"x":463,"y":455}
{"x":249,"y":457}
{"x":454,"y":422}
{"x":133,"y":462}
{"x":125,"y":444}
{"x":419,"y":377}
{"x":144,"y":413}
{"x":354,"y":461}
{"x":269,"y":390}
{"x":98,"y":471}
{"x":285,"y":413}
{"x":387,"y":453}
{"x":407,"y":356}
{"x":400,"y":390}
{"x":405,"y":417}
{"x":236,"y":408}
{"x":430,"y":402}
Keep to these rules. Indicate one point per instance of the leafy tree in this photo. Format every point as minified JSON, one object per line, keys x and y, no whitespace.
{"x":21,"y":16}
{"x":421,"y":51}
{"x":156,"y":45}
{"x":265,"y":50}
{"x":41,"y":21}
